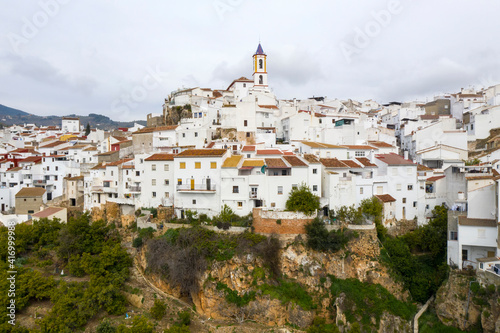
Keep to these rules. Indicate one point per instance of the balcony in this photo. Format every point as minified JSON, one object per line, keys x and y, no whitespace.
{"x":252,"y":195}
{"x":38,"y":182}
{"x":134,"y":189}
{"x":202,"y":188}
{"x":104,"y":189}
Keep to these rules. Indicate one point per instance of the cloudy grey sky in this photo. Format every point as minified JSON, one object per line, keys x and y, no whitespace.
{"x":121,"y":58}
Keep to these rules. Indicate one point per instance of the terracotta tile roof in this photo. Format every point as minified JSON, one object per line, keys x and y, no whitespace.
{"x":433,"y":179}
{"x":365,"y":162}
{"x":128,"y":166}
{"x":30,"y":192}
{"x":361,"y":147}
{"x":202,"y":153}
{"x":380,"y":144}
{"x":332,"y":163}
{"x":252,"y":163}
{"x":385,"y":197}
{"x":479,"y":177}
{"x":161,"y":157}
{"x":74,"y":178}
{"x":269,"y":152}
{"x":274,"y":107}
{"x":393,"y":159}
{"x":276,"y":163}
{"x":248,"y":148}
{"x":119,"y":162}
{"x":69,"y":118}
{"x":53,"y":144}
{"x":47,"y":212}
{"x":464,"y":220}
{"x":165,"y":128}
{"x":289,"y":153}
{"x":421,"y":167}
{"x":321,"y":145}
{"x":312,"y":159}
{"x":15,"y":169}
{"x":294,"y":161}
{"x":90,"y":149}
{"x":30,"y":159}
{"x":232,"y":162}
{"x":210,"y":145}
{"x":350,"y":163}
{"x":119,"y":138}
{"x":429,"y":117}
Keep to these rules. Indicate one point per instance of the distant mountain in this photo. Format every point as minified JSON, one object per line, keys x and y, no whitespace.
{"x":10,"y":116}
{"x":5,"y":110}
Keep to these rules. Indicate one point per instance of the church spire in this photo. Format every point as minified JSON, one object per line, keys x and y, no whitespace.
{"x":260,"y":67}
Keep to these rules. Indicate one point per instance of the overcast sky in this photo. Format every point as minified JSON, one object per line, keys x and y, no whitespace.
{"x":122,"y":58}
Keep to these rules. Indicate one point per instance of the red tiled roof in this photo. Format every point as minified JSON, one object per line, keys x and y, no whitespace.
{"x":310,"y":158}
{"x":202,"y":153}
{"x":365,"y":162}
{"x":269,"y":152}
{"x":276,"y":163}
{"x":350,"y":163}
{"x":30,"y":192}
{"x":47,"y":212}
{"x":248,"y":148}
{"x":210,"y":145}
{"x":393,"y":159}
{"x":160,"y":157}
{"x":332,"y":163}
{"x":268,"y":107}
{"x":385,"y":197}
{"x":294,"y":161}
{"x":360,"y":147}
{"x":380,"y":144}
{"x":433,"y":179}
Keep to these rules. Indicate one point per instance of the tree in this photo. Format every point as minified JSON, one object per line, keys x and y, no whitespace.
{"x":158,"y":310}
{"x":301,"y":199}
{"x":87,"y":130}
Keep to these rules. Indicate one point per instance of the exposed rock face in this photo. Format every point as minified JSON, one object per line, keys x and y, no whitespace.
{"x":309,"y":268}
{"x":451,"y":304}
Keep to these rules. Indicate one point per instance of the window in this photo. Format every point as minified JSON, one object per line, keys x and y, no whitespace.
{"x":235,"y":189}
{"x":359,"y":153}
{"x":183,"y":135}
{"x":195,"y":134}
{"x":182,"y":165}
{"x":197,"y":165}
{"x":245,"y":123}
{"x":153,"y":182}
{"x":244,"y":85}
{"x":453,"y":235}
{"x":137,"y":173}
{"x":273,"y":204}
{"x":167,"y":182}
{"x":404,"y":200}
{"x":179,"y":181}
{"x":167,"y":195}
{"x":194,"y":202}
{"x":465,"y":254}
{"x":261,"y":79}
{"x":410,"y":187}
{"x":111,"y":172}
{"x":48,"y":168}
{"x":154,"y":194}
{"x":261,"y":64}
{"x":31,"y":211}
{"x":280,"y":189}
{"x":315,"y":171}
{"x":240,"y":204}
{"x":360,"y":190}
{"x":141,"y":160}
{"x":398,"y":187}
{"x":414,"y":204}
{"x":315,"y":188}
{"x":153,"y":167}
{"x":213,"y":165}
{"x":55,"y":177}
{"x":165,"y":167}
{"x":57,"y":168}
{"x":248,"y":134}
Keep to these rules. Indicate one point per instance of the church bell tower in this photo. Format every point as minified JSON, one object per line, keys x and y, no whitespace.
{"x":259,"y":68}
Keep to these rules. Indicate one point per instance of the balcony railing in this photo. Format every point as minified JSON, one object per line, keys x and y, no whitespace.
{"x":39,"y":182}
{"x":105,"y":189}
{"x":134,"y":189}
{"x":253,"y":195}
{"x":196,"y":187}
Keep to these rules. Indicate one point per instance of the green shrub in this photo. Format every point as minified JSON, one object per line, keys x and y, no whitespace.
{"x":232,"y":296}
{"x":301,"y":199}
{"x":289,"y":291}
{"x":137,"y":242}
{"x":320,"y":239}
{"x":158,"y":310}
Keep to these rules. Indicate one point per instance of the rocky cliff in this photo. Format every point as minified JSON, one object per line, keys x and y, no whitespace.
{"x":241,"y":288}
{"x":455,"y":307}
